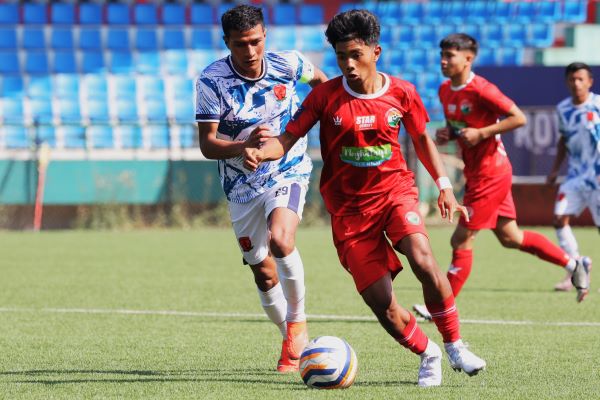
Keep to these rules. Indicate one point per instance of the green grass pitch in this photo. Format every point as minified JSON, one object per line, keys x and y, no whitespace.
{"x":174,"y":315}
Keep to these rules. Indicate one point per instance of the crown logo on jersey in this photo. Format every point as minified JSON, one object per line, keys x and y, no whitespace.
{"x":337,"y":121}
{"x":280,"y":92}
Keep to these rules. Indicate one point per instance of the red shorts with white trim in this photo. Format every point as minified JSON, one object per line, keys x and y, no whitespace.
{"x":363,"y":240}
{"x":486,"y":200}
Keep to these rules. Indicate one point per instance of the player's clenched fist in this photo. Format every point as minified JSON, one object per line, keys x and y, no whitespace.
{"x":442,"y":135}
{"x":252,"y":158}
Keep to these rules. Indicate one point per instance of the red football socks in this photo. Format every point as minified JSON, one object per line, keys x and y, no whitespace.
{"x":541,"y":247}
{"x":413,"y":338}
{"x":445,"y":316}
{"x":460,"y":269}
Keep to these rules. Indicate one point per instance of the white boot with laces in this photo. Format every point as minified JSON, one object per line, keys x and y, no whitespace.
{"x":430,"y":371}
{"x":461,"y":358}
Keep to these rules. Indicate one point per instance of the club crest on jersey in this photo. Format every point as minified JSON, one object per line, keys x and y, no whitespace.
{"x":465,"y":107}
{"x":337,"y":120}
{"x":412,"y":218}
{"x":393,"y":117}
{"x":245,"y":243}
{"x":365,"y":122}
{"x":280,"y":92}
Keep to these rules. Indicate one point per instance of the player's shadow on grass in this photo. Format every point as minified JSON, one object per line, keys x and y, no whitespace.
{"x":59,"y":377}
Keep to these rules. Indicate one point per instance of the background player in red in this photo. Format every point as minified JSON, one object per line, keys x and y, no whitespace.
{"x":473,"y":108}
{"x":371,"y":194}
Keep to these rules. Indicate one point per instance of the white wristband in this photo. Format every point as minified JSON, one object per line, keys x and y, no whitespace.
{"x":443,"y":182}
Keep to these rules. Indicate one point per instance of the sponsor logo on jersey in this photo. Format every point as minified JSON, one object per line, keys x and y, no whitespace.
{"x":393,"y":117}
{"x":337,"y":120}
{"x":466,"y":107}
{"x":412,"y":218}
{"x":364,"y":122}
{"x":451,"y":108}
{"x":280,"y":92}
{"x":369,"y":156}
{"x":245,"y":243}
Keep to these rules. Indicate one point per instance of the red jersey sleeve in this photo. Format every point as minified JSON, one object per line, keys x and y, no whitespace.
{"x":306,"y":116}
{"x":415,"y":119}
{"x":493,"y":99}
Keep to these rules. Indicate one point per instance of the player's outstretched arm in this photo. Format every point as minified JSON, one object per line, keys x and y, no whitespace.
{"x":271,"y":149}
{"x":430,"y":157}
{"x":318,"y":78}
{"x":214,"y":148}
{"x":561,"y":154}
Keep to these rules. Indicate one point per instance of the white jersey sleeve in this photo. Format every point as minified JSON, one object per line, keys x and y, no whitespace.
{"x":208,"y":107}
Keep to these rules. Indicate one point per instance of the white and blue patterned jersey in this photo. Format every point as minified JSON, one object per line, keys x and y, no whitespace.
{"x":240,"y":104}
{"x":580,"y":127}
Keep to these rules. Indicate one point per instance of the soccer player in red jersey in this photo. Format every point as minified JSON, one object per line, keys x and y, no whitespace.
{"x":473,"y":108}
{"x":371,"y":194}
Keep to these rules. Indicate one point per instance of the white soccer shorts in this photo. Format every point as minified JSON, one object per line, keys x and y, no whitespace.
{"x":250,"y":220}
{"x":572,"y":202}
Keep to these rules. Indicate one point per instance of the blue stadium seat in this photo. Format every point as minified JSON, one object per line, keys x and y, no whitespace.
{"x":455,"y":12}
{"x":510,"y":56}
{"x":575,"y":11}
{"x":476,"y":13}
{"x":10,"y":62}
{"x":68,"y":110}
{"x":117,"y":14}
{"x":147,"y":62}
{"x":389,"y":13}
{"x":310,"y":39}
{"x":182,"y":87}
{"x":159,"y":136}
{"x":152,"y":87}
{"x":45,"y":134}
{"x":386,"y":35}
{"x":33,"y":38}
{"x":92,"y":62}
{"x":395,"y":59}
{"x":124,"y":87}
{"x":73,"y":136}
{"x":311,"y":14}
{"x":90,"y":39}
{"x":96,"y":86}
{"x":9,"y":14}
{"x":131,"y":136}
{"x":183,"y":110}
{"x":34,"y":13}
{"x":121,"y":62}
{"x":426,"y":36}
{"x":471,"y":30}
{"x":433,"y":12}
{"x":97,"y":110}
{"x":66,"y":86}
{"x":63,"y":13}
{"x":173,"y":39}
{"x":8,"y":38}
{"x":145,"y":39}
{"x":492,"y":35}
{"x":175,"y":61}
{"x":201,"y":14}
{"x":117,"y":38}
{"x":36,"y":62}
{"x":15,"y":136}
{"x":347,"y":7}
{"x":90,"y":14}
{"x":61,"y":38}
{"x":411,"y":12}
{"x":200,"y":59}
{"x":145,"y":14}
{"x":281,"y":38}
{"x":526,"y":12}
{"x":39,"y":86}
{"x":441,"y":31}
{"x":100,"y":136}
{"x":549,"y":11}
{"x":485,"y":56}
{"x":418,"y":59}
{"x":11,"y":86}
{"x":202,"y":38}
{"x":541,"y":35}
{"x":64,"y":62}
{"x":284,"y":14}
{"x":431,"y":81}
{"x":406,"y":36}
{"x":515,"y":34}
{"x":500,"y":11}
{"x":11,"y":109}
{"x":156,"y":110}
{"x":41,"y":110}
{"x":188,"y":137}
{"x":173,"y":14}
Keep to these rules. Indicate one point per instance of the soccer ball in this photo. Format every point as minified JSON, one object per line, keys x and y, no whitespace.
{"x":328,"y":362}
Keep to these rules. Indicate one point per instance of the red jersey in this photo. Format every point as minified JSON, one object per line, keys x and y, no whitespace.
{"x":362,"y":162}
{"x":476,"y":104}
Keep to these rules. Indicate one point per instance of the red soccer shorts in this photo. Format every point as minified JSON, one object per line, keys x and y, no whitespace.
{"x":486,"y":200}
{"x":362,"y":240}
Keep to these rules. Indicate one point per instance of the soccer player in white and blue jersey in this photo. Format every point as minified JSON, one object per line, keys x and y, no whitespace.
{"x":235,"y":95}
{"x":579,"y":126}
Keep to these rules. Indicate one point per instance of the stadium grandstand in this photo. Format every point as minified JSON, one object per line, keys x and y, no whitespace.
{"x":115,"y":80}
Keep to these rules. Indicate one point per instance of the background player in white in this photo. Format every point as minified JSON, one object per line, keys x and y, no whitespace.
{"x":248,"y":88}
{"x":579,"y":127}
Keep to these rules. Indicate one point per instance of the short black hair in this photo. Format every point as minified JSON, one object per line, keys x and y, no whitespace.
{"x":576,"y":66}
{"x":353,"y":25}
{"x":241,"y":18}
{"x":460,"y":41}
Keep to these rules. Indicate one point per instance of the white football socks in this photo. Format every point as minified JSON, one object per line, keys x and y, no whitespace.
{"x":567,"y":241}
{"x":291,"y":277}
{"x":275,"y":306}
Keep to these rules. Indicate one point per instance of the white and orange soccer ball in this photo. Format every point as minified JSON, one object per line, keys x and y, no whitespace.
{"x":328,"y":362}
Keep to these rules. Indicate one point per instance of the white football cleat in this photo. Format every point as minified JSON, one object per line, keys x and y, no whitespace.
{"x":581,"y":277}
{"x":461,"y":358}
{"x":430,"y":371}
{"x":422,"y":311}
